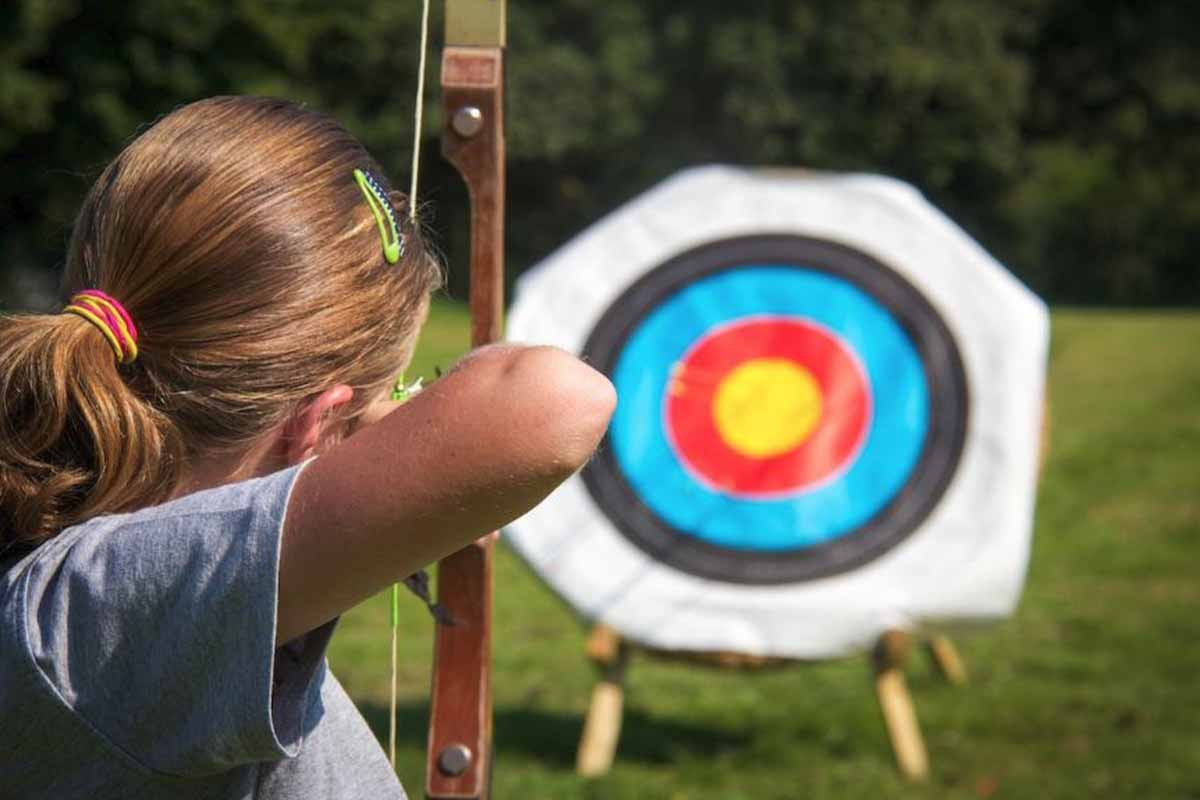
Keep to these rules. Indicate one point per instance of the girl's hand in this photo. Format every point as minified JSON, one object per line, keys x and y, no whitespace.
{"x":377,"y":411}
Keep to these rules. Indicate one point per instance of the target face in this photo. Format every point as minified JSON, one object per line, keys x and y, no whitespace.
{"x":766,"y":406}
{"x":789,"y":409}
{"x":828,"y":416}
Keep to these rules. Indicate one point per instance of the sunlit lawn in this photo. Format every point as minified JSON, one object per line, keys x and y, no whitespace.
{"x":1092,"y":690}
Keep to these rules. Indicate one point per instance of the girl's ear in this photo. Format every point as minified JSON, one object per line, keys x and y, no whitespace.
{"x":308,"y":428}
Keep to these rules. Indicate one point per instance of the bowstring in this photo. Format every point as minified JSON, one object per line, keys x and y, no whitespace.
{"x":418,"y":120}
{"x":419,"y":113}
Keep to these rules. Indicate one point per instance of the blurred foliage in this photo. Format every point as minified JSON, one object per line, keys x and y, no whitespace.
{"x":1060,"y":133}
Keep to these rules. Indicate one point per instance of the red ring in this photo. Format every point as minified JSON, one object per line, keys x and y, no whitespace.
{"x":823,"y":455}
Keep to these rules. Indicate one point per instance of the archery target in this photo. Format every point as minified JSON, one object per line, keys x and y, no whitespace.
{"x":828,"y":404}
{"x":789,"y":409}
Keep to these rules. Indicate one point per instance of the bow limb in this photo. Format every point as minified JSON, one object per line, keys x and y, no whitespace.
{"x":460,"y":728}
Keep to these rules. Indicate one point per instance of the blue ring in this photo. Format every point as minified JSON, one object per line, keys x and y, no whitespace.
{"x":896,"y":437}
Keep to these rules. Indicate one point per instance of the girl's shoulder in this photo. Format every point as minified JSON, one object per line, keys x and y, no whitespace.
{"x":138,"y":544}
{"x":108,"y":616}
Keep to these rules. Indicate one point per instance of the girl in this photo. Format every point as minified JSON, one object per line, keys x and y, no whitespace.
{"x":188,"y":497}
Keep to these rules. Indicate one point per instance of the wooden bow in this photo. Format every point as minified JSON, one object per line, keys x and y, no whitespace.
{"x":460,"y":728}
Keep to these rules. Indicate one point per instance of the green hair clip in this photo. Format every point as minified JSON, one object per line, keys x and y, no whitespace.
{"x":385,"y":215}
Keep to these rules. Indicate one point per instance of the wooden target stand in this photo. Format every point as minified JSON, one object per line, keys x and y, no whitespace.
{"x":612,"y":654}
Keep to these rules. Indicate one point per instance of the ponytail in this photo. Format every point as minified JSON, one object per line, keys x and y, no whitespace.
{"x":75,"y":441}
{"x":235,"y":235}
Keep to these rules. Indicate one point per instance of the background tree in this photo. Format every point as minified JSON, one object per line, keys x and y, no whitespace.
{"x":1107,"y":206}
{"x":1060,"y":133}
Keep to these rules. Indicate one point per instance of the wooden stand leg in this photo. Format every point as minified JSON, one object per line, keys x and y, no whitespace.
{"x":948,"y":661}
{"x":898,"y":713}
{"x":602,"y":729}
{"x":598,"y":745}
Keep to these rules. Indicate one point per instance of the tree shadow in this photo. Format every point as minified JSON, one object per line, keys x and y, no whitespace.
{"x":552,"y":737}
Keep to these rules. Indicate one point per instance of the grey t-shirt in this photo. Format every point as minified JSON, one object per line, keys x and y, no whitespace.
{"x":137,"y":660}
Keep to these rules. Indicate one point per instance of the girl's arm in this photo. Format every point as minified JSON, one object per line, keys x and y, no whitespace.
{"x":477,"y":449}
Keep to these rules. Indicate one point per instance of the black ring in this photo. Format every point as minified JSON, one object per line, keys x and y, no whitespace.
{"x":944,"y":375}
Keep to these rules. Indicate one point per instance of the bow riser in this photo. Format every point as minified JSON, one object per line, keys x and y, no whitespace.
{"x":460,"y":728}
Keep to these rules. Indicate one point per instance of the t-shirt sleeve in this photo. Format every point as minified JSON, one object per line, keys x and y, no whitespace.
{"x":158,"y":629}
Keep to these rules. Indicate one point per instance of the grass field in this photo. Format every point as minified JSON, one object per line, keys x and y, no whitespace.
{"x":1092,"y":690}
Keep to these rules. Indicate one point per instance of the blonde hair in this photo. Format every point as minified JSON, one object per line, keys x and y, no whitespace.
{"x":234,"y":233}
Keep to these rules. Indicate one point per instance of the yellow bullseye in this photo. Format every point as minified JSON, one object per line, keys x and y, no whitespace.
{"x":767,"y":406}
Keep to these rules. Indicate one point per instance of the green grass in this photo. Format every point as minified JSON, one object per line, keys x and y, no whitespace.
{"x":1091,"y":690}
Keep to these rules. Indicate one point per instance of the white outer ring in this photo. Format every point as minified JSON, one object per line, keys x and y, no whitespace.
{"x":966,"y":562}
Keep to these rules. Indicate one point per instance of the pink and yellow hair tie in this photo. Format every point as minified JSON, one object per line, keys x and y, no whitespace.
{"x":111,"y":318}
